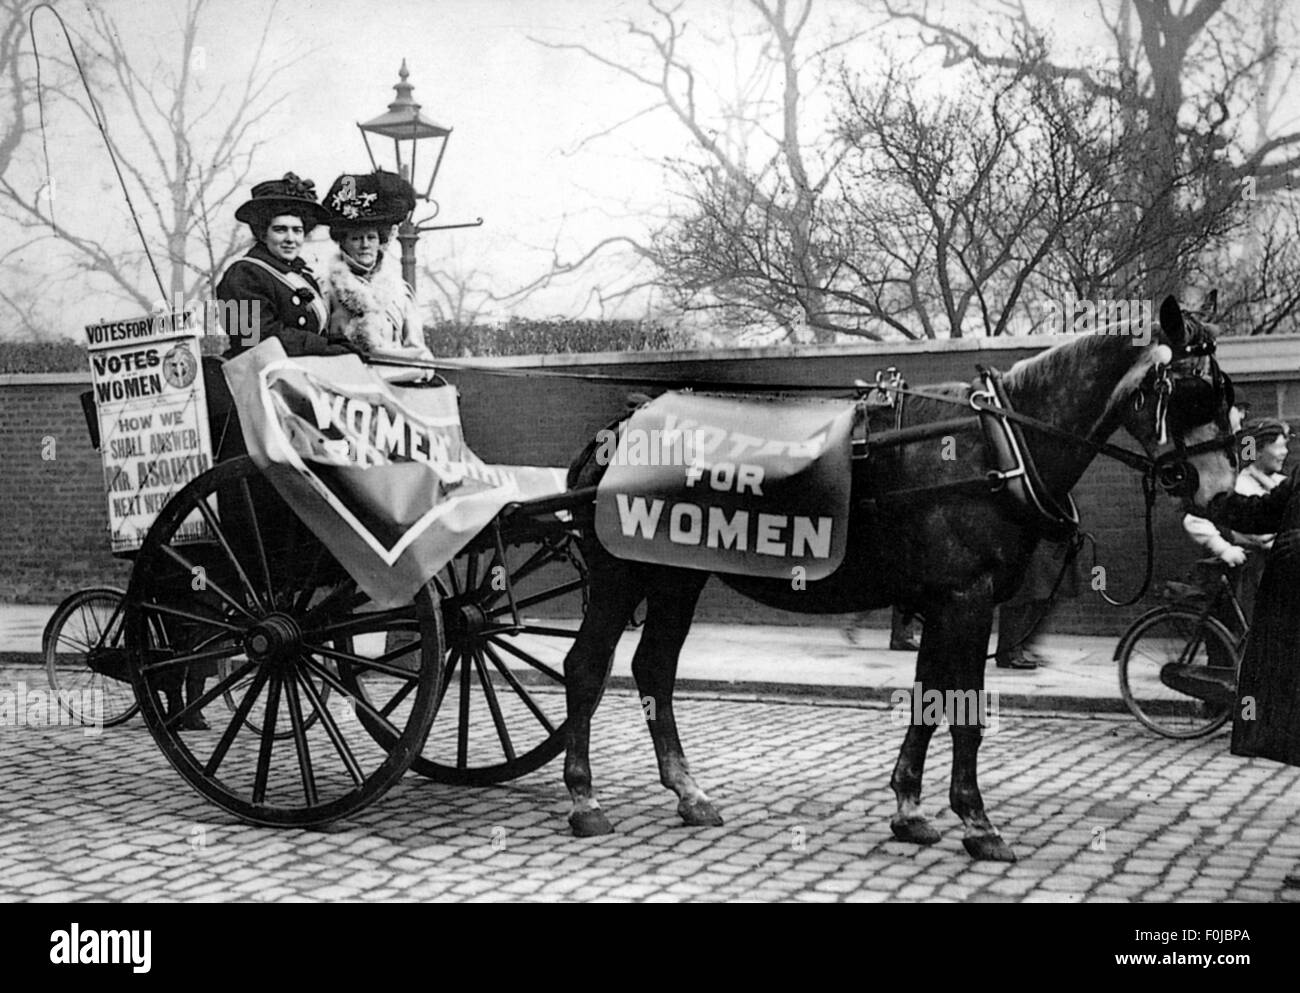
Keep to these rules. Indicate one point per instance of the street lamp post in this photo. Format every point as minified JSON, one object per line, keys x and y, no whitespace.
{"x":404,"y":123}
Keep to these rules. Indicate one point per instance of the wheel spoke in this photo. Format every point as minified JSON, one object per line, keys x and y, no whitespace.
{"x":471,"y":570}
{"x":519,"y":689}
{"x":211,"y":519}
{"x":453,"y":659}
{"x":236,"y":722}
{"x":208,"y":582}
{"x":544,"y":595}
{"x":490,"y":694}
{"x":335,"y":734}
{"x":358,"y":699}
{"x":379,"y":664}
{"x":215,"y":655}
{"x":185,"y":615}
{"x":523,"y":656}
{"x":224,"y":686}
{"x":543,"y":630}
{"x":268,"y":740}
{"x":246,"y":494}
{"x":397,"y":698}
{"x":300,"y":742}
{"x":462,"y":732}
{"x":366,"y":623}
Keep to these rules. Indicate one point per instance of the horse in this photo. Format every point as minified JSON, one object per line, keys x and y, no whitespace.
{"x":949,"y":554}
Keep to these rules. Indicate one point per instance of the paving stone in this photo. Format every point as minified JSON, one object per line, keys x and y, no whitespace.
{"x":1182,"y":823}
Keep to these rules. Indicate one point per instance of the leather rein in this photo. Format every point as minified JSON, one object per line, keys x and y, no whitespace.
{"x":1170,"y":471}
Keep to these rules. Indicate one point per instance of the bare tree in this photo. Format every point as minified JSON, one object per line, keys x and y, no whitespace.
{"x":754,"y":163}
{"x":185,"y":150}
{"x":1174,"y":75}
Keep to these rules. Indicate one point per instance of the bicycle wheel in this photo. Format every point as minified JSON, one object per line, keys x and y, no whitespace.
{"x":83,"y":648}
{"x":1168,"y":676}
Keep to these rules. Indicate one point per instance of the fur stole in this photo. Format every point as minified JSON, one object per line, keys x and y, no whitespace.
{"x":367,"y":312}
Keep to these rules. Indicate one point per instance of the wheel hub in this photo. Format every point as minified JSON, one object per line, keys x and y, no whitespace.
{"x":273,"y":639}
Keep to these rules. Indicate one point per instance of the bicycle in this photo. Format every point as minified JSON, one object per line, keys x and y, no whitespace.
{"x":85,"y":658}
{"x":1178,"y":663}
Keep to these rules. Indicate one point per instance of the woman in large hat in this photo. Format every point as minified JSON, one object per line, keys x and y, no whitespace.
{"x":269,"y":292}
{"x":370,"y":305}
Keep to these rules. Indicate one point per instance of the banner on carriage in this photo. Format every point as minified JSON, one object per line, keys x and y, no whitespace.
{"x":749,"y":486}
{"x":153,"y":422}
{"x":381,"y":475}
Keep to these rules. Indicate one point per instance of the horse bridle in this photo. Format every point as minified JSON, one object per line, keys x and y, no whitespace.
{"x":1173,"y":471}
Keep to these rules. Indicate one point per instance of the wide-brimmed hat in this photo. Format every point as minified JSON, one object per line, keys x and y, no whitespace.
{"x":289,"y":195}
{"x":372,"y":199}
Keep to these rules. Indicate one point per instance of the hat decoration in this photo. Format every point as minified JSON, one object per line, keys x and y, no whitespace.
{"x":369,"y":199}
{"x":288,"y":195}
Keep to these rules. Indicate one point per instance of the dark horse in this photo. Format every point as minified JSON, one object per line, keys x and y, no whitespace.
{"x":950,"y":557}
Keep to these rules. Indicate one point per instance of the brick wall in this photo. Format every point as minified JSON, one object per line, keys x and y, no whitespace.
{"x":54,"y":533}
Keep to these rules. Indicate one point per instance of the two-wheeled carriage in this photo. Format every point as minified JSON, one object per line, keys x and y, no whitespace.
{"x":316,"y":698}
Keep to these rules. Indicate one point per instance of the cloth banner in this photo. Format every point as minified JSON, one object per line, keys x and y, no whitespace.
{"x":754,"y":487}
{"x":381,"y":475}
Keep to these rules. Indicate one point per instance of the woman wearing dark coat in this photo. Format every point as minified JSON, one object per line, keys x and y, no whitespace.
{"x":269,"y":292}
{"x":1266,"y":722}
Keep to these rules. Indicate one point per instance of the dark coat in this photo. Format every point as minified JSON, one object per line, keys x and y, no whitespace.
{"x":280,"y":300}
{"x":1266,"y":722}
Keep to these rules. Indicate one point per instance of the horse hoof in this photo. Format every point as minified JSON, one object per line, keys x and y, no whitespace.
{"x":988,"y":848}
{"x":916,"y":830}
{"x":700,"y":813}
{"x":590,"y":824}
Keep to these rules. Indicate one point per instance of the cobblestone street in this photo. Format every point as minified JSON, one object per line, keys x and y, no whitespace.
{"x":1096,"y":808}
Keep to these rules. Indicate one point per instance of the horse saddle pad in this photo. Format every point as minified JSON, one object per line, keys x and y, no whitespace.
{"x":743,"y":485}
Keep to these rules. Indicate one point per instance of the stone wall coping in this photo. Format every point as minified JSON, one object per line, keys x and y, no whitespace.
{"x":1262,"y":358}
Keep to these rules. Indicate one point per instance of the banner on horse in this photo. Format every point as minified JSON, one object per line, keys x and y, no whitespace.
{"x":756,"y":487}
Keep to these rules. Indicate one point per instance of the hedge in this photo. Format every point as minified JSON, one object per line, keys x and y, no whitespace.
{"x":515,"y":337}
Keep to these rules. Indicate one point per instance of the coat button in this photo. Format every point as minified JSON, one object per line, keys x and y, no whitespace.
{"x":296,"y":299}
{"x":302,"y":321}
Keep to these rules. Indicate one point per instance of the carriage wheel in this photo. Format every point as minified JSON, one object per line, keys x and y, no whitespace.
{"x":84,"y":655}
{"x":500,"y":709}
{"x":260,"y":610}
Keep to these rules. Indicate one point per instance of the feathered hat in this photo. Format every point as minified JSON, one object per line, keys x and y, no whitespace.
{"x":362,"y":200}
{"x":289,"y":195}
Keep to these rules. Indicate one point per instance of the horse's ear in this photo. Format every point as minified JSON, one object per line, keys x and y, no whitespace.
{"x":1172,"y":325}
{"x":1209,"y":306}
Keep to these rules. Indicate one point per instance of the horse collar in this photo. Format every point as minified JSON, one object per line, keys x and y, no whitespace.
{"x":1013,"y":470}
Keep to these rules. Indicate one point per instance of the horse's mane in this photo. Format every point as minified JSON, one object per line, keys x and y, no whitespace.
{"x":1047,"y":370}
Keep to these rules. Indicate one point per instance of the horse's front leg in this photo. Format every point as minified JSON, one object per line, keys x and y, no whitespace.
{"x":966,"y":712}
{"x":669,"y":610}
{"x":614,"y":596}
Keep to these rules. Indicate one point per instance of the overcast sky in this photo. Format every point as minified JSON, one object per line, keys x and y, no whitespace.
{"x":521,"y":113}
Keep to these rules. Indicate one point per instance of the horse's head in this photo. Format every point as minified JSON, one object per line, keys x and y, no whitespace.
{"x":1183,"y":413}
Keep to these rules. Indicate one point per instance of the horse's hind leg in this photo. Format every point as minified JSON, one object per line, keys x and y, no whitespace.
{"x":670,"y":606}
{"x":614,"y":595}
{"x":982,"y":840}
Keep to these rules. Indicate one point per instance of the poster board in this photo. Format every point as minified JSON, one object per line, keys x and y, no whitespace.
{"x":147,"y":379}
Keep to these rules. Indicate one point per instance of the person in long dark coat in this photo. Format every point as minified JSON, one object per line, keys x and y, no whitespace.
{"x":1266,"y":722}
